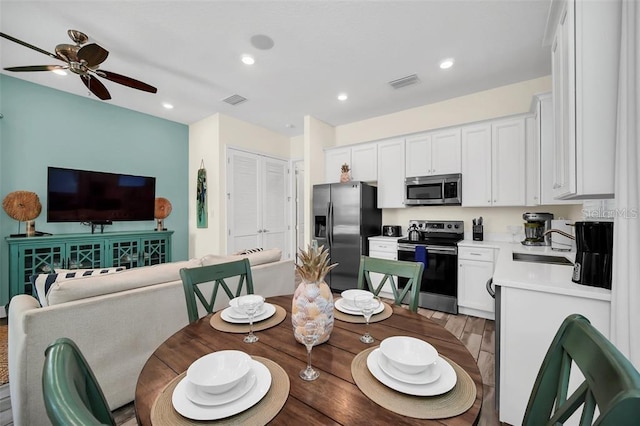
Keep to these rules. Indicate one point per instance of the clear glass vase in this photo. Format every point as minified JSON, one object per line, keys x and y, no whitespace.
{"x":313,"y":300}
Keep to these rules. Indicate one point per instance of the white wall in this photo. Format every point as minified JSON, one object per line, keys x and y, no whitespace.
{"x":296,"y":151}
{"x":203,"y":146}
{"x":208,"y":140}
{"x":498,"y":102}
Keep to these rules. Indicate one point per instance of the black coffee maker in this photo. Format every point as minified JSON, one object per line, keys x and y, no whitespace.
{"x":594,"y":244}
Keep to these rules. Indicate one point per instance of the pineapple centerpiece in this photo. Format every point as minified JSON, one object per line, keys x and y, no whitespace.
{"x":313,"y":299}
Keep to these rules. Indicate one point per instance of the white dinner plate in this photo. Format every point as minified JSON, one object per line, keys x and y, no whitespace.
{"x":427,"y":376}
{"x":342,"y":307}
{"x":444,"y":383}
{"x":269,"y":310}
{"x":190,"y":410}
{"x":197,"y":395}
{"x":239,"y":315}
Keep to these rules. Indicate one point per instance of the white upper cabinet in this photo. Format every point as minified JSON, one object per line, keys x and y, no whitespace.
{"x":585,"y":57}
{"x":433,"y":153}
{"x":541,"y":154}
{"x":445,"y":152}
{"x":508,"y":168}
{"x":493,"y":163}
{"x":333,"y":160}
{"x":476,"y":165}
{"x":361,"y":159}
{"x":364,"y":162}
{"x":391,"y":155}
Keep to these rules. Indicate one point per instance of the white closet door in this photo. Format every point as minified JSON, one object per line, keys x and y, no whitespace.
{"x":275,"y":208}
{"x":244,"y":207}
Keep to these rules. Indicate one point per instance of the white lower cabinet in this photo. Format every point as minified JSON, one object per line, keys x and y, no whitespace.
{"x":475,"y":268}
{"x":383,"y":248}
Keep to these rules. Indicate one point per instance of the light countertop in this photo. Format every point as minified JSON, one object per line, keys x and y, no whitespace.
{"x":536,"y":276}
{"x":385,"y":238}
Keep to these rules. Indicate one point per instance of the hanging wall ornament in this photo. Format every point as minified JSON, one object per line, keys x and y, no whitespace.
{"x":201,"y":201}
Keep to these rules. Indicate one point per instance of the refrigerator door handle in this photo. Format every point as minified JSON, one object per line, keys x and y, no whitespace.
{"x":330,"y":223}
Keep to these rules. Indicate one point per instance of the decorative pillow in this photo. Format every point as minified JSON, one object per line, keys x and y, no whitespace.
{"x":263,"y":256}
{"x":43,"y":282}
{"x":249,"y":251}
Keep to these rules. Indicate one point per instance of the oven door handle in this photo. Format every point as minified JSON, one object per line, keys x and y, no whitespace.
{"x":430,"y":249}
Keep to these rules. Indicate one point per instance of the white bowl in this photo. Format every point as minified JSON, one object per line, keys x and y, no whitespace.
{"x":219,"y":371}
{"x":255,"y":298}
{"x":349,"y":296}
{"x":408,"y":354}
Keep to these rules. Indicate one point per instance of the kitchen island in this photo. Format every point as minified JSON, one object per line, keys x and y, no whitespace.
{"x":532,"y":300}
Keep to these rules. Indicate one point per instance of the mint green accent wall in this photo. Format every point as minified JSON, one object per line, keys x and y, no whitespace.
{"x":44,"y":127}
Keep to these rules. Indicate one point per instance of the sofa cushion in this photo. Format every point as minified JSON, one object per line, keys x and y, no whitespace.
{"x":85,"y":287}
{"x":43,"y":282}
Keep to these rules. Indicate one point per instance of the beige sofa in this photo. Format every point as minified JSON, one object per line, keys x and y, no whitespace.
{"x":117,"y":320}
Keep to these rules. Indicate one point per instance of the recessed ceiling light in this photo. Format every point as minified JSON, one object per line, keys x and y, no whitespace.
{"x":289,"y":126}
{"x":248,"y":60}
{"x":60,"y":72}
{"x":167,"y":105}
{"x":446,"y":63}
{"x":343,"y":97}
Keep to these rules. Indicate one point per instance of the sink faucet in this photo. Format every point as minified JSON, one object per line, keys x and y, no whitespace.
{"x":559,"y":232}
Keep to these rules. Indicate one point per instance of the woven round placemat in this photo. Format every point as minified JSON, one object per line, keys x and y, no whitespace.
{"x":163,"y":413}
{"x":453,"y":403}
{"x":359,"y":319}
{"x":219,"y":324}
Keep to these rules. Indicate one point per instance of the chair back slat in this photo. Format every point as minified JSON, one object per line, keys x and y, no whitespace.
{"x":390,"y":269}
{"x":72,"y":395}
{"x":196,"y":280}
{"x":612,"y":384}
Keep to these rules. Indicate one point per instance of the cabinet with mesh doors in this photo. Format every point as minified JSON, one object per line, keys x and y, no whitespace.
{"x":51,"y":253}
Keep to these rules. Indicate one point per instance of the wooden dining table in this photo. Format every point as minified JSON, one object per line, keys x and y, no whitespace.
{"x":334,"y":398}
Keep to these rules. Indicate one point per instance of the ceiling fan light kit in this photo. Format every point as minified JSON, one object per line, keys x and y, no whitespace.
{"x":84,"y":60}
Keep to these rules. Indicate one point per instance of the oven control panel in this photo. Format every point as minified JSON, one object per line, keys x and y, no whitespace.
{"x":438,"y":226}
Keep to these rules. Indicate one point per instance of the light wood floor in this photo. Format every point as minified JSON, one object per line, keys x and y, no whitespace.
{"x":476,"y":333}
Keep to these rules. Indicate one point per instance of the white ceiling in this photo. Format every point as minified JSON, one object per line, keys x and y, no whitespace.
{"x":190,"y":50}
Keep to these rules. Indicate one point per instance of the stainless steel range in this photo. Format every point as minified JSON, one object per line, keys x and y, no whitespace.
{"x":439,"y":287}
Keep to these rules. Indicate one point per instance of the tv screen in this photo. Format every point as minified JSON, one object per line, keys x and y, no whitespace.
{"x":87,"y":196}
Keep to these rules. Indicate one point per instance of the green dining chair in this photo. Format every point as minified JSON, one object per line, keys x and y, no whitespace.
{"x":611,"y":382}
{"x":390,"y":269}
{"x":72,"y":395}
{"x":195,"y":280}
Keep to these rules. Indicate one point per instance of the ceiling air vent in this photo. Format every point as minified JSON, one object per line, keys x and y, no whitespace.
{"x":405,"y":81}
{"x":234,"y":99}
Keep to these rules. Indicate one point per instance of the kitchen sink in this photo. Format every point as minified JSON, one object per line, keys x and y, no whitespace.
{"x":541,"y":258}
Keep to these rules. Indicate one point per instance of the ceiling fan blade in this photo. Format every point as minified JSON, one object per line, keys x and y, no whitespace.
{"x":36,"y":68}
{"x":92,"y":54}
{"x":126,"y":81}
{"x":30,"y":46}
{"x":96,"y":87}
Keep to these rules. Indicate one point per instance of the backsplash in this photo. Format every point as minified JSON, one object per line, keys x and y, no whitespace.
{"x":495,"y":219}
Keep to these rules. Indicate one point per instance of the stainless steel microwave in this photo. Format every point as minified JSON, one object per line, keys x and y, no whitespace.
{"x":433,"y":190}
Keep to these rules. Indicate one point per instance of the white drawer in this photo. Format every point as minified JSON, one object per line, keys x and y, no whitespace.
{"x":384,"y":254}
{"x":388,"y":247}
{"x":475,"y":253}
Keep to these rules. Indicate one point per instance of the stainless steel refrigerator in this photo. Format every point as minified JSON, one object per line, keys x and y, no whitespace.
{"x":345,"y":215}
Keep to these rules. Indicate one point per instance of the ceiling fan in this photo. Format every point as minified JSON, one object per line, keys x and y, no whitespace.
{"x":82,"y":59}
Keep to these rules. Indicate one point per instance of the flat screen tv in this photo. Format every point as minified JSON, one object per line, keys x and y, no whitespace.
{"x":98,"y":197}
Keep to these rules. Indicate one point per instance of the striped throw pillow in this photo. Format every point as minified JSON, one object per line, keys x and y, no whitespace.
{"x":43,"y":282}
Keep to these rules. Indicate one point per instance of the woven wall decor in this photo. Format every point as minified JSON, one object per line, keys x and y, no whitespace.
{"x":162,"y":211}
{"x":162,"y":208}
{"x":22,"y":205}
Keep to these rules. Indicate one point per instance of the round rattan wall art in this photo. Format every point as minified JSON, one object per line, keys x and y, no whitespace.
{"x":162,"y":211}
{"x":23,"y":206}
